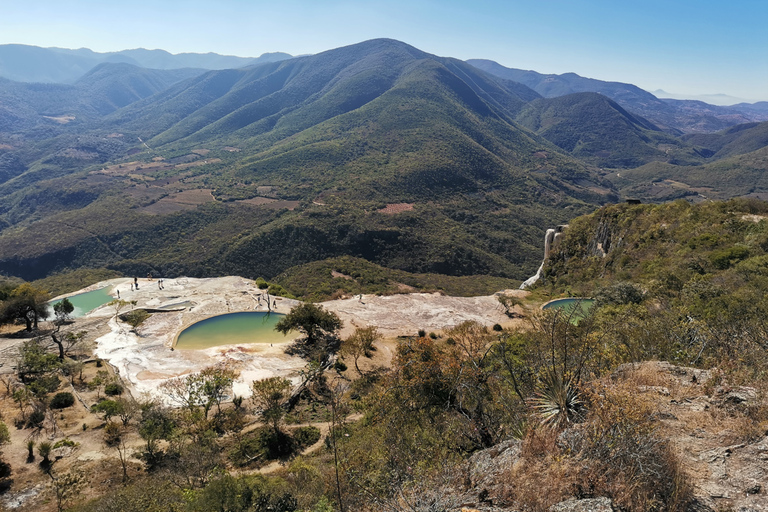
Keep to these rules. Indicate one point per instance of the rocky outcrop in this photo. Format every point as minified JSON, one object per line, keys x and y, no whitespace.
{"x":586,"y":505}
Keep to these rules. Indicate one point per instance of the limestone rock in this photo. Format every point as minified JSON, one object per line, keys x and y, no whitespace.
{"x":586,"y":505}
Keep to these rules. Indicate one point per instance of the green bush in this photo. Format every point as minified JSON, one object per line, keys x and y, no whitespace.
{"x":306,"y":436}
{"x":62,"y":400}
{"x":113,"y":389}
{"x":262,"y":444}
{"x":36,"y":418}
{"x":726,"y":257}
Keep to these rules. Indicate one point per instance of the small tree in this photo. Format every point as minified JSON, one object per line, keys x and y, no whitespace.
{"x":25,"y":303}
{"x":269,"y":396}
{"x":114,"y":436}
{"x":155,"y":424}
{"x":62,"y":310}
{"x":217,"y":385}
{"x":65,"y":486}
{"x":67,"y":341}
{"x":109,"y":408}
{"x":119,"y":304}
{"x":136,"y":317}
{"x":360,"y":343}
{"x":34,"y":362}
{"x":508,"y":303}
{"x":128,"y":409}
{"x":310,"y":319}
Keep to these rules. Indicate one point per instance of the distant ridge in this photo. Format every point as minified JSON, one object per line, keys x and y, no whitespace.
{"x":674,"y":116}
{"x":23,"y":63}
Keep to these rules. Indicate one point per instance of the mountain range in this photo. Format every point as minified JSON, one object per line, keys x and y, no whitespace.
{"x":376,"y":151}
{"x":23,"y":63}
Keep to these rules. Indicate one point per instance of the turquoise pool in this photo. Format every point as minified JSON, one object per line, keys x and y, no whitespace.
{"x":88,"y":301}
{"x":578,"y":306}
{"x":233,"y":328}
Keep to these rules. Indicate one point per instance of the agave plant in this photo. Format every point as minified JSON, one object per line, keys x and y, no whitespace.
{"x":557,"y":401}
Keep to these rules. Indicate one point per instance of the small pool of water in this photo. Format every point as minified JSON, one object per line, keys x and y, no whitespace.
{"x":233,"y":328}
{"x":579,"y":307}
{"x":87,"y":302}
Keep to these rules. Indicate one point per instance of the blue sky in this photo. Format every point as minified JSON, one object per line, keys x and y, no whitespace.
{"x":682,"y":46}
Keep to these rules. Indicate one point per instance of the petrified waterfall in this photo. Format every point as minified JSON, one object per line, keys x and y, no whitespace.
{"x":549,"y":237}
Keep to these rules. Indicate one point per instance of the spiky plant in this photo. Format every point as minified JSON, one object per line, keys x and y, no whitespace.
{"x":557,"y":401}
{"x":44,"y":449}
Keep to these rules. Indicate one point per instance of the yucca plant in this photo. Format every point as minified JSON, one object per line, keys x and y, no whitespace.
{"x":557,"y":401}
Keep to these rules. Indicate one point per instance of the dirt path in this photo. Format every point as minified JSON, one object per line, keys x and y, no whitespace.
{"x":277,"y":464}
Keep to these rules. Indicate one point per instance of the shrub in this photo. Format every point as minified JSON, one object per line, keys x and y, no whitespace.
{"x":726,"y":257}
{"x":262,"y":444}
{"x":112,"y":434}
{"x":422,"y":333}
{"x":44,"y":449}
{"x":619,"y":293}
{"x":36,"y":418}
{"x":497,"y":327}
{"x":64,"y":442}
{"x":340,"y":366}
{"x":306,"y":436}
{"x":113,"y":389}
{"x":62,"y":400}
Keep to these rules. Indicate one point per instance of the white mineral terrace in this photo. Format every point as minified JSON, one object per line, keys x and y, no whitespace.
{"x":146,"y":360}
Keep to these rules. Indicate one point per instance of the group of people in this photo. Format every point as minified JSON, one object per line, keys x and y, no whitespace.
{"x":135,"y":284}
{"x":270,"y":306}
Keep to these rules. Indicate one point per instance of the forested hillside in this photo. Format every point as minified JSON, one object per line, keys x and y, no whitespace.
{"x":377,"y":151}
{"x":257,"y":170}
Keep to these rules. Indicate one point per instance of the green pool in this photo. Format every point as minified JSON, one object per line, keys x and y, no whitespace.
{"x":88,"y":301}
{"x":579,"y":307}
{"x":233,"y":328}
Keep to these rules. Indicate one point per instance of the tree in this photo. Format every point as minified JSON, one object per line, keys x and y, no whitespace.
{"x":509,"y":302}
{"x":136,"y":317}
{"x":25,"y":303}
{"x":217,"y":385}
{"x":269,"y":395}
{"x":34,"y":362}
{"x":360,"y":343}
{"x":67,"y":341}
{"x":119,"y":304}
{"x":109,"y":408}
{"x":62,"y":310}
{"x":205,"y":389}
{"x":155,"y":424}
{"x":114,"y":436}
{"x":310,"y":319}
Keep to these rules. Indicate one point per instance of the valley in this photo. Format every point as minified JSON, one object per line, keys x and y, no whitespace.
{"x":389,"y":202}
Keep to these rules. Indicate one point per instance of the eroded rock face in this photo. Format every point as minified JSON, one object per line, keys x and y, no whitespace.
{"x":710,"y":431}
{"x":483,"y":477}
{"x":708,"y":427}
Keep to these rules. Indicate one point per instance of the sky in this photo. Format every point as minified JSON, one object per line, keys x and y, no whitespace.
{"x":688,"y":48}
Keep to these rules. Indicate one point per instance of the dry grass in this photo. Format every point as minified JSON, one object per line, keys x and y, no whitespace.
{"x":616,"y":452}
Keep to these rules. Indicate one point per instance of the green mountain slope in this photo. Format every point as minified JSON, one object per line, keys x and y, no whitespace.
{"x":738,"y":140}
{"x":377,"y":151}
{"x":673,"y":249}
{"x":741,"y":175}
{"x":594,"y":128}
